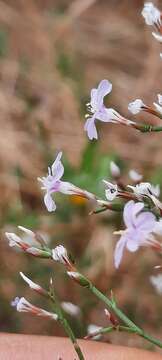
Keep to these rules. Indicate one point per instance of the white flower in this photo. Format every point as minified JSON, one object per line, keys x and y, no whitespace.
{"x":136,"y":106}
{"x":22,"y":305}
{"x":151,"y":14}
{"x":114,"y":169}
{"x":157,"y":106}
{"x":111,"y":190}
{"x":145,"y":188}
{"x":92,"y":329}
{"x":31,"y":284}
{"x":161,"y":55}
{"x":135,"y":176}
{"x":60,"y":254}
{"x":156,"y":281}
{"x":70,"y":308}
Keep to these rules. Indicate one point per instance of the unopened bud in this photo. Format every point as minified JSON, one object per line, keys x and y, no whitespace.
{"x":79,"y":278}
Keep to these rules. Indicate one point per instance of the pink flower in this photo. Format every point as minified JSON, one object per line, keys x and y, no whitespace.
{"x":52,"y":183}
{"x":139,"y":225}
{"x":97,"y":110}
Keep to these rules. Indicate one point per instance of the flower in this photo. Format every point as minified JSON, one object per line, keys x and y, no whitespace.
{"x":151,"y":14}
{"x":114,"y":169}
{"x":70,"y":308}
{"x":145,"y":189}
{"x":157,"y":106}
{"x":138,"y":227}
{"x":111,"y":190}
{"x":156,"y":281}
{"x":135,"y":176}
{"x":22,"y":305}
{"x":52,"y":183}
{"x":60,"y":254}
{"x":30,"y":244}
{"x":97,"y":110}
{"x":136,"y":106}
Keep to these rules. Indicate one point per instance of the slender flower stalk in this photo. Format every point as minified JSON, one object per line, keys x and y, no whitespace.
{"x":112,"y":307}
{"x":23,"y":305}
{"x":65,"y":324}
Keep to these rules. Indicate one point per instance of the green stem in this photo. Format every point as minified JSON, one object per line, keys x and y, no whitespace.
{"x":66,"y":326}
{"x":147,"y":128}
{"x":111,"y":305}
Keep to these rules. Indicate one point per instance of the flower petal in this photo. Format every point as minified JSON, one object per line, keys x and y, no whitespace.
{"x":127,"y":213}
{"x":146,"y":221}
{"x":119,"y":250}
{"x":90,"y":127}
{"x":94,"y":98}
{"x":132,"y":245}
{"x":50,"y":204}
{"x":57,"y":168}
{"x":104,"y":88}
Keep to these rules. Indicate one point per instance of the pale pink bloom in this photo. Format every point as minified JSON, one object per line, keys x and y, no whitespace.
{"x":52,"y":183}
{"x":98,"y":111}
{"x":139,"y":225}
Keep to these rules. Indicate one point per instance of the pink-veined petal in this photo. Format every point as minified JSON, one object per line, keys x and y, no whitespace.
{"x":50,"y":204}
{"x":119,"y":250}
{"x":90,"y":127}
{"x":57,"y":168}
{"x":104,"y":88}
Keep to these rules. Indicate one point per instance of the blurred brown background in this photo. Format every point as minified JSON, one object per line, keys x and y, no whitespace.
{"x":51,"y":54}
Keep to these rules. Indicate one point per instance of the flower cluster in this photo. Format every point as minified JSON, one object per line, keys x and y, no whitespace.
{"x":139,"y":201}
